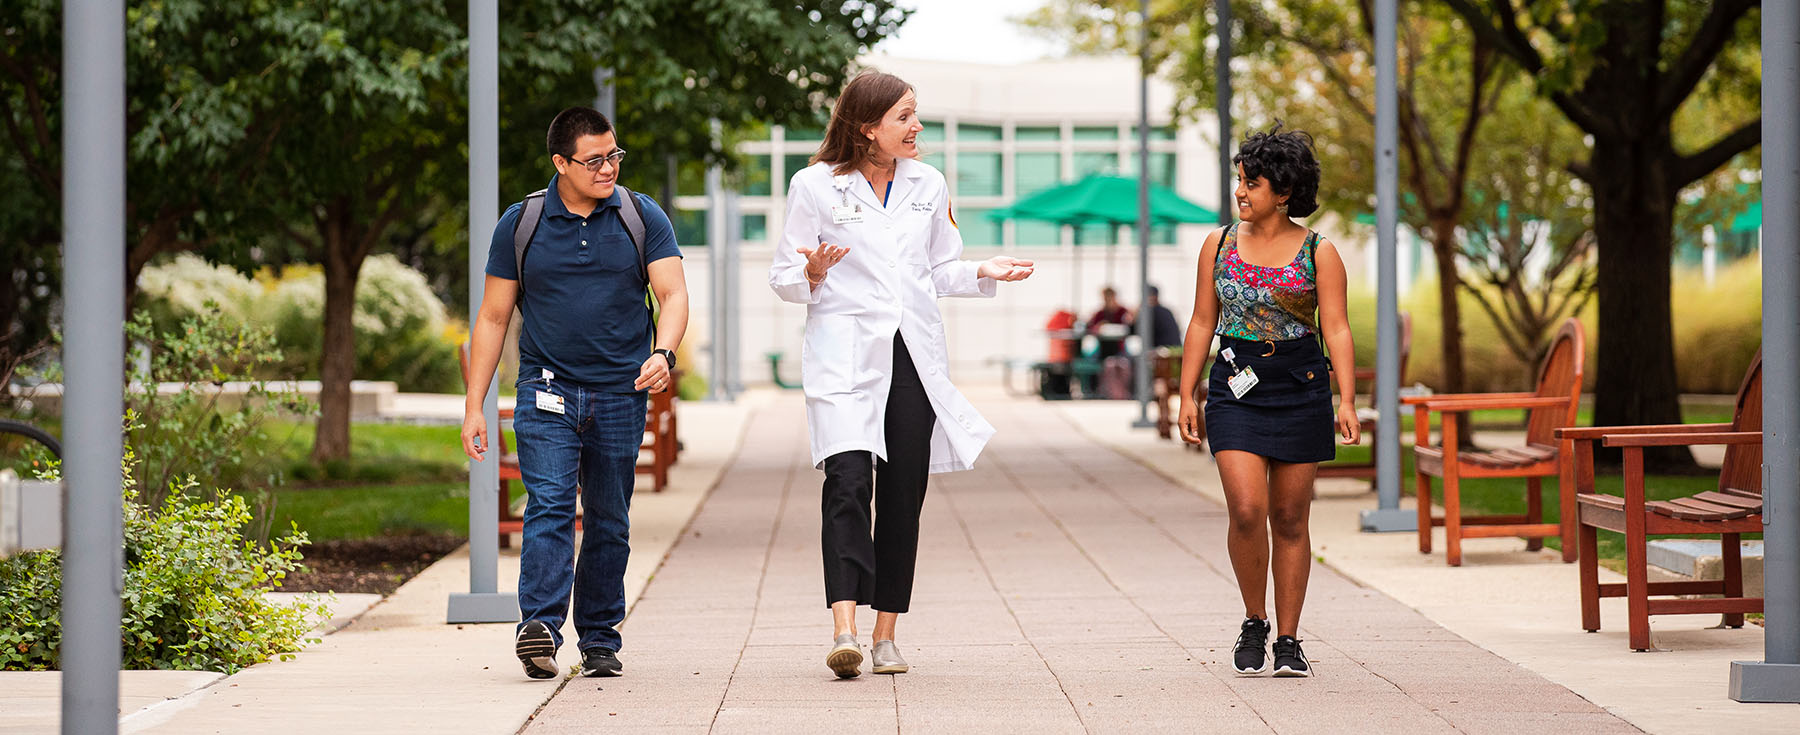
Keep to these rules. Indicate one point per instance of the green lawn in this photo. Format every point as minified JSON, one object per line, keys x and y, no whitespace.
{"x":401,"y":478}
{"x":366,"y":511}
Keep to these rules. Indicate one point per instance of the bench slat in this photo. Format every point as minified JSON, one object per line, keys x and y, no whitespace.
{"x":1689,"y":509}
{"x":1731,"y":500}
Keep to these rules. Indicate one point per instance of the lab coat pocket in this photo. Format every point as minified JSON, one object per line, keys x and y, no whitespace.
{"x":828,"y":357}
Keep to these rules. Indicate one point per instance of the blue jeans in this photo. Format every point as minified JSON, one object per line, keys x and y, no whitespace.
{"x":592,"y":445}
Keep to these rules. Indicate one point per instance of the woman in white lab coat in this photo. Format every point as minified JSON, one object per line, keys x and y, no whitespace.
{"x":869,"y":245}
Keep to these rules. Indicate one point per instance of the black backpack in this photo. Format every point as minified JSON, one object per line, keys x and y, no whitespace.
{"x":532,"y":212}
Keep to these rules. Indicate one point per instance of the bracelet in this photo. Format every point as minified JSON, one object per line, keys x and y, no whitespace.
{"x":809,"y":278}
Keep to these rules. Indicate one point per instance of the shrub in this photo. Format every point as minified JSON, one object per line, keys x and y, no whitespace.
{"x":190,"y":431}
{"x":193,"y":590}
{"x":403,"y":332}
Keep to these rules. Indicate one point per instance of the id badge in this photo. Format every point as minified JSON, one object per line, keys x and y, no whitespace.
{"x":1240,"y":382}
{"x":550,"y":402}
{"x":846,"y":214}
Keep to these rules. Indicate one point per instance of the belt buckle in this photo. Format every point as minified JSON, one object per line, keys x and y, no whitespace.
{"x":1271,"y":348}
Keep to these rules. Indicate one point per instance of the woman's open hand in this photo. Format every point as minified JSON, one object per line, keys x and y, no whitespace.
{"x":1004,"y":268}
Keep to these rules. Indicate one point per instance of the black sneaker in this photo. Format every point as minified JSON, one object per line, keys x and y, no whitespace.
{"x":600,"y":662}
{"x":1249,"y":657}
{"x":536,"y":649}
{"x":1289,"y":659}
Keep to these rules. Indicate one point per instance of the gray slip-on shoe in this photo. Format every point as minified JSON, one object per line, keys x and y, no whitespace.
{"x":846,"y":657}
{"x":886,"y":658}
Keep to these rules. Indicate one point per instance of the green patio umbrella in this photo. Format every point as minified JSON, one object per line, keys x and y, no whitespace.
{"x":1099,"y":199}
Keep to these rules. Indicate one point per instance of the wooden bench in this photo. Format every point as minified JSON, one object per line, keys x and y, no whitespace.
{"x":660,"y":447}
{"x":1732,"y":510}
{"x":1368,"y":416}
{"x":1552,"y":406}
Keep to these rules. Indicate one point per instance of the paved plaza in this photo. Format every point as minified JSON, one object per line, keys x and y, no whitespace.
{"x":1062,"y":588}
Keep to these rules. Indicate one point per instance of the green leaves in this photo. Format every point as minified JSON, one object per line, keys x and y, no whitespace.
{"x":193,"y":590}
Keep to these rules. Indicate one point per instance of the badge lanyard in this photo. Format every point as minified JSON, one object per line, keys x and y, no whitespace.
{"x":1242,"y":379}
{"x":844,"y":213}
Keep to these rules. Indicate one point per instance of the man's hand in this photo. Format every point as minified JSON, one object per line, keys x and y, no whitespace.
{"x":474,"y":434}
{"x":654,"y":375}
{"x":1003,"y":268}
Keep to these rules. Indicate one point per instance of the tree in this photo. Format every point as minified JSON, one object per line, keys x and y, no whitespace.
{"x":1529,"y":237}
{"x":1449,"y":85}
{"x":195,"y":131}
{"x":389,"y":146}
{"x":1624,"y":71}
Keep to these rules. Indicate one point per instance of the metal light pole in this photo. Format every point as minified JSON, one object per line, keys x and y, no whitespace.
{"x":1144,"y":320}
{"x":716,"y":390}
{"x":1777,"y":677}
{"x":484,"y":603}
{"x":1222,"y":106}
{"x":93,"y":361}
{"x":1387,"y":516}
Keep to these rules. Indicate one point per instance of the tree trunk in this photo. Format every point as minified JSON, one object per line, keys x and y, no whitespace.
{"x":1450,"y":353}
{"x":337,"y":354}
{"x":1634,"y":206}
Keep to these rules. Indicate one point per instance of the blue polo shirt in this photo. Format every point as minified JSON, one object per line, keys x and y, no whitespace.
{"x":582,"y":298}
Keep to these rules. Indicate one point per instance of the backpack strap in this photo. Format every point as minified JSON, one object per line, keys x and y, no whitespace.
{"x":634,"y":225}
{"x":529,"y":214}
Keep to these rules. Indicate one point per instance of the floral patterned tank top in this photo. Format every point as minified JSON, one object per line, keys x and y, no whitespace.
{"x":1261,"y":303}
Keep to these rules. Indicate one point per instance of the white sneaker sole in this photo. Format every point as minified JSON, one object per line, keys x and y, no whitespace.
{"x":1252,"y":672}
{"x":1287,"y":673}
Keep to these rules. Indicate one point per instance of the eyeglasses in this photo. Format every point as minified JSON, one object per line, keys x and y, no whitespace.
{"x":593,"y":164}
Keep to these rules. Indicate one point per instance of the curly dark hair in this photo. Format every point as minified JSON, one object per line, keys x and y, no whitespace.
{"x":1286,"y":159}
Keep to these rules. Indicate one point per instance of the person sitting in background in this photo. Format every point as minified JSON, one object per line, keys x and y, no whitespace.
{"x":1165,"y":331}
{"x":1111,"y":312}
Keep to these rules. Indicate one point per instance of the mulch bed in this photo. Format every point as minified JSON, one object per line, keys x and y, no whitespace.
{"x":378,"y":565}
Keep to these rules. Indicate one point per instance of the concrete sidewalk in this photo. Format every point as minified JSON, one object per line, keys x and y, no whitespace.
{"x":1062,"y":587}
{"x":1524,"y":606}
{"x":398,"y":668}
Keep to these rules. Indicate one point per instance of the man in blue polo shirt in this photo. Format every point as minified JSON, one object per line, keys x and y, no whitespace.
{"x":587,"y":354}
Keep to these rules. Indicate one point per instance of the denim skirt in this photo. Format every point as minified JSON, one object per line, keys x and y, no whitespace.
{"x":1287,"y":416}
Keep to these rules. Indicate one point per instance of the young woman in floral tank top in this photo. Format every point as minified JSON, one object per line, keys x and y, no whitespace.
{"x":1272,"y":292}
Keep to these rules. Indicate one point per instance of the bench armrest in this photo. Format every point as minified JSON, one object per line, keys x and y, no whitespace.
{"x":1598,"y":432}
{"x":1410,"y":400}
{"x":1459,"y":405}
{"x":1678,"y":440}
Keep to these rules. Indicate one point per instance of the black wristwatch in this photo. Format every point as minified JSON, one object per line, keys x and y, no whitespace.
{"x":667,"y":355}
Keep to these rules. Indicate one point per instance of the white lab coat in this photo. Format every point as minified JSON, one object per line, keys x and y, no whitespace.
{"x":902,"y":258}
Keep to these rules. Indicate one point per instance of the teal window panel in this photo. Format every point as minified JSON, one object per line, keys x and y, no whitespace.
{"x":1035,"y":171}
{"x":933,"y":132}
{"x":978,"y":174}
{"x":1096,"y":163}
{"x":1099,"y":234}
{"x":690,"y":228}
{"x":1095,"y":132}
{"x":805,"y":132}
{"x":978,"y":133}
{"x":1037,"y":134}
{"x":753,"y":178}
{"x":793,"y":162}
{"x":1029,"y":232}
{"x":977,"y":230}
{"x":934,"y":160}
{"x":755,"y":227}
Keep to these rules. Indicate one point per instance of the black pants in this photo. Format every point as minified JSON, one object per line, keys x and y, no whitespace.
{"x":877,"y":569}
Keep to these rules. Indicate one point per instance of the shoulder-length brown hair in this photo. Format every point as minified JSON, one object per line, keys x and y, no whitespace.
{"x":866,"y":99}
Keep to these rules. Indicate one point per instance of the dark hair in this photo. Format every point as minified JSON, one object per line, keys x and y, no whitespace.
{"x":570,"y":125}
{"x":866,"y":99}
{"x":1286,"y":159}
